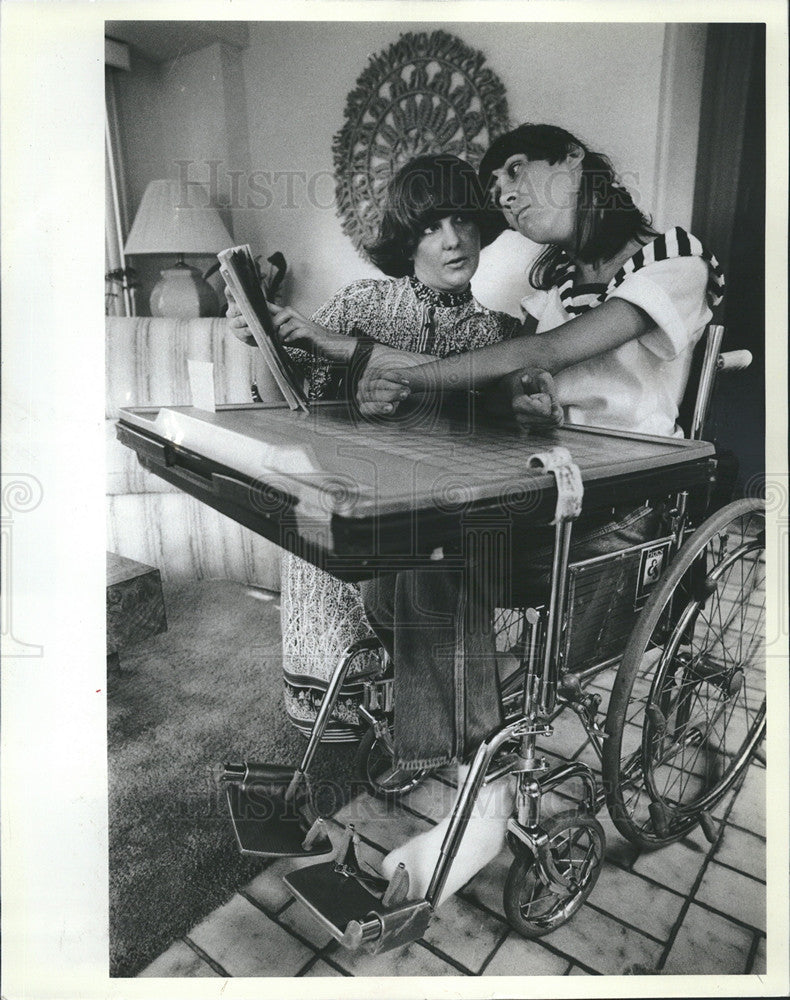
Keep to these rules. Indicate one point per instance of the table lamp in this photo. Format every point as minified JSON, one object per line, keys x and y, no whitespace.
{"x":176,"y":219}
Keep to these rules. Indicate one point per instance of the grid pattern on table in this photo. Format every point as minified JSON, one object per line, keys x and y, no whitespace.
{"x":487,"y":449}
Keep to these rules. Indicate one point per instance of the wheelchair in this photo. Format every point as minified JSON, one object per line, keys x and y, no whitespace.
{"x":678,"y":620}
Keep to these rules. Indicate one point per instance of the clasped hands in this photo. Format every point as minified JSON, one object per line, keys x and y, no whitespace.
{"x":385,"y":384}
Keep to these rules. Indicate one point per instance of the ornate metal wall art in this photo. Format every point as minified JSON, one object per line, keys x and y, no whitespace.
{"x":426,"y":93}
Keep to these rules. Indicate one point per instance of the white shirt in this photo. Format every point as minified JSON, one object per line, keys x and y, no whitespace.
{"x":638,"y":386}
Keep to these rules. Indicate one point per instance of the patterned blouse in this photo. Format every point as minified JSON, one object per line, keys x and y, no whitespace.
{"x":405,"y":314}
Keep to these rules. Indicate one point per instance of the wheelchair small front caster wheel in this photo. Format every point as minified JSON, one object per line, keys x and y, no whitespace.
{"x":375,"y":767}
{"x":577,"y":845}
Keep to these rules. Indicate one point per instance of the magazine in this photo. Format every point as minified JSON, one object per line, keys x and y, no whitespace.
{"x":240,"y":272}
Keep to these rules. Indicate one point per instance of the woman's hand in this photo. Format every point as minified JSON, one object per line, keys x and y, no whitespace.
{"x":237,"y":323}
{"x":295,"y":330}
{"x":382,"y":387}
{"x":534,"y":400}
{"x":380,"y":393}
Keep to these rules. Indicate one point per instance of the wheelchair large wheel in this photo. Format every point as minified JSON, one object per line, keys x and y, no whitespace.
{"x":577,"y":846}
{"x":374,"y":762}
{"x":687,"y":709}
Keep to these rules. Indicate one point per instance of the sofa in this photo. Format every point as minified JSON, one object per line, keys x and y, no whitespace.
{"x":149,"y":520}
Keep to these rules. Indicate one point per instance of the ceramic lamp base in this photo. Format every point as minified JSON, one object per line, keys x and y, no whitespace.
{"x":182,"y":293}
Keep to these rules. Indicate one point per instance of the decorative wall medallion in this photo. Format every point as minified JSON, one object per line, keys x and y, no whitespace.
{"x":427,"y":93}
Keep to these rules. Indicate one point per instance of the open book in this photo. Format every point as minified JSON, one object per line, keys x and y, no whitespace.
{"x":238,"y":268}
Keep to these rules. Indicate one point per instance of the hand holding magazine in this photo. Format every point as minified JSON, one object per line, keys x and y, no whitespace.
{"x":240,"y":273}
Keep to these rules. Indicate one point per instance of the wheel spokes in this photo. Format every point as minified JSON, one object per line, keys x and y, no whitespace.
{"x":696,"y":728}
{"x":694,"y":701}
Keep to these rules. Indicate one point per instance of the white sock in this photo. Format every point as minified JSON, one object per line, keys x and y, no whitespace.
{"x":483,"y":840}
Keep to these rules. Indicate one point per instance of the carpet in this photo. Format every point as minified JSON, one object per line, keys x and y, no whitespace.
{"x":207,"y":691}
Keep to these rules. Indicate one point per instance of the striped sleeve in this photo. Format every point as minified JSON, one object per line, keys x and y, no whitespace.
{"x":675,"y":244}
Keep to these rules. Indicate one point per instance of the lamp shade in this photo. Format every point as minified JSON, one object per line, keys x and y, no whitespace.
{"x":176,"y":218}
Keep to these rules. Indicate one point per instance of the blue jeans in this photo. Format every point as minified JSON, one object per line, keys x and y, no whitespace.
{"x":436,"y":624}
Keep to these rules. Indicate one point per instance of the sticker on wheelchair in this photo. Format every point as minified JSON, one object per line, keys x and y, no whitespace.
{"x":651,"y":566}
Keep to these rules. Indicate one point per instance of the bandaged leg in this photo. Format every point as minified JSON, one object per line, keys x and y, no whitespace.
{"x":483,"y":840}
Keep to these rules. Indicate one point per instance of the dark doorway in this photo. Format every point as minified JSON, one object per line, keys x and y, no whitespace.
{"x":729,"y":218}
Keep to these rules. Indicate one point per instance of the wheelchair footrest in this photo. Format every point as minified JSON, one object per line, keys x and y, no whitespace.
{"x":268,"y":824}
{"x":356,"y":907}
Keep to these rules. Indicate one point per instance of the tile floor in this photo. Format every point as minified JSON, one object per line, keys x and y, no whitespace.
{"x":691,"y":908}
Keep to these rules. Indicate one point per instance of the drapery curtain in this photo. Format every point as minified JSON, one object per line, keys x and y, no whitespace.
{"x":119,"y":293}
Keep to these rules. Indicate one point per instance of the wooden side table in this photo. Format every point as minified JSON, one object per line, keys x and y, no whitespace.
{"x":135,"y":604}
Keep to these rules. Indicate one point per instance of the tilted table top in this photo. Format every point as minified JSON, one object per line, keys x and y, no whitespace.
{"x":347,"y":492}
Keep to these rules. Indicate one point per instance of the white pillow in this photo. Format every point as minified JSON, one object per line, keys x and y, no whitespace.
{"x":502,"y":279}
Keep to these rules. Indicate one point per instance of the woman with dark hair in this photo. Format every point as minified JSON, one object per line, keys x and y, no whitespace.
{"x":618,"y":306}
{"x":422,"y":192}
{"x":434,"y":223}
{"x":607,"y":219}
{"x":617,"y":309}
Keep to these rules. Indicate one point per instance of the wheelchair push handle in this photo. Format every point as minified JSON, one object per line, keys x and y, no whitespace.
{"x":713,"y":364}
{"x":733,"y":361}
